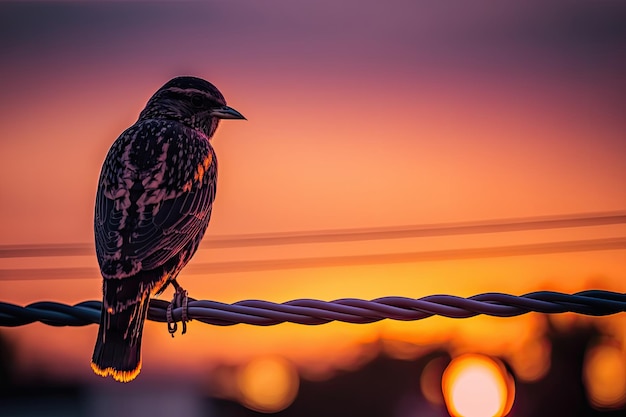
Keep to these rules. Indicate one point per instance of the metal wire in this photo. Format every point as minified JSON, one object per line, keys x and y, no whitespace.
{"x":350,"y":235}
{"x":350,"y":310}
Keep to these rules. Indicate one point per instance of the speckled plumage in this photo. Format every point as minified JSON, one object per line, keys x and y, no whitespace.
{"x":153,"y":205}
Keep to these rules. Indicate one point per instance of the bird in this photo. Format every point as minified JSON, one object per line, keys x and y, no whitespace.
{"x":153,"y":205}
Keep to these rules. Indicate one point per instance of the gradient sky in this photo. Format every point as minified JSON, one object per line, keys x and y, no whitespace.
{"x":360,"y":114}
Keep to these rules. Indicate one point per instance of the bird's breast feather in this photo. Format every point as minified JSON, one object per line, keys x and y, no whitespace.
{"x":155,"y":194}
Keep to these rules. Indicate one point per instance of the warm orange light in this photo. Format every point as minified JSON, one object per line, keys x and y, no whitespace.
{"x":605,"y":376}
{"x":399,"y":349}
{"x":430,"y":380}
{"x":477,"y":386}
{"x":532,"y":361}
{"x":268,"y":384}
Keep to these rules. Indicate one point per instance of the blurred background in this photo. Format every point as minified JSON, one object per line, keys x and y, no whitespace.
{"x":362,"y":115}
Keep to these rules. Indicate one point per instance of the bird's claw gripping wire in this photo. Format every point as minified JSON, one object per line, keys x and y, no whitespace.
{"x":180,"y":299}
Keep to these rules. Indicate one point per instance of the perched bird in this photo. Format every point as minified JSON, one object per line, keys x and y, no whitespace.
{"x":153,"y":205}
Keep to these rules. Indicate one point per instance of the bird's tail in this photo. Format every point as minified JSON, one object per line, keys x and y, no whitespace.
{"x":118,"y":346}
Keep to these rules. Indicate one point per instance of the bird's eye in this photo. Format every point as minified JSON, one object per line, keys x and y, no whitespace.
{"x":197,"y":100}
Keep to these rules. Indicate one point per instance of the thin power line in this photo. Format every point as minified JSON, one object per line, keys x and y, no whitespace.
{"x":338,"y":261}
{"x":350,"y":235}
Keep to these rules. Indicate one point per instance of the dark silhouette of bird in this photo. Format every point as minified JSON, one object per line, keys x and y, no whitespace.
{"x":153,"y":205}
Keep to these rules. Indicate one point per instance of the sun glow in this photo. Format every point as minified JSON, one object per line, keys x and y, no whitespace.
{"x":477,"y":386}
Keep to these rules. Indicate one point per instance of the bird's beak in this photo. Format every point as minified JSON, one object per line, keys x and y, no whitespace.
{"x":226,"y":112}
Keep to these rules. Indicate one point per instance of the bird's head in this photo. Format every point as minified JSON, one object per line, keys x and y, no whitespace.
{"x":192,"y":101}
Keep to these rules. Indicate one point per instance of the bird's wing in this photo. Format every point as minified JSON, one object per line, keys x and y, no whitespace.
{"x":154,"y":197}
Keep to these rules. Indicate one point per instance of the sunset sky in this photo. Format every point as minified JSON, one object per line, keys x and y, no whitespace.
{"x":361,"y":114}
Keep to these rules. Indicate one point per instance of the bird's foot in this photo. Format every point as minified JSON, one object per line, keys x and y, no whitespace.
{"x":180,"y":299}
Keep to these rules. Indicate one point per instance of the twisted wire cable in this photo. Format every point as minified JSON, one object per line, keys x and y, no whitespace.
{"x":314,"y":312}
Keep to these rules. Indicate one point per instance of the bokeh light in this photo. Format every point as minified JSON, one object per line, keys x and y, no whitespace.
{"x":477,"y":386}
{"x":268,"y":384}
{"x":605,"y":376}
{"x":531,"y":361}
{"x":430,"y":380}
